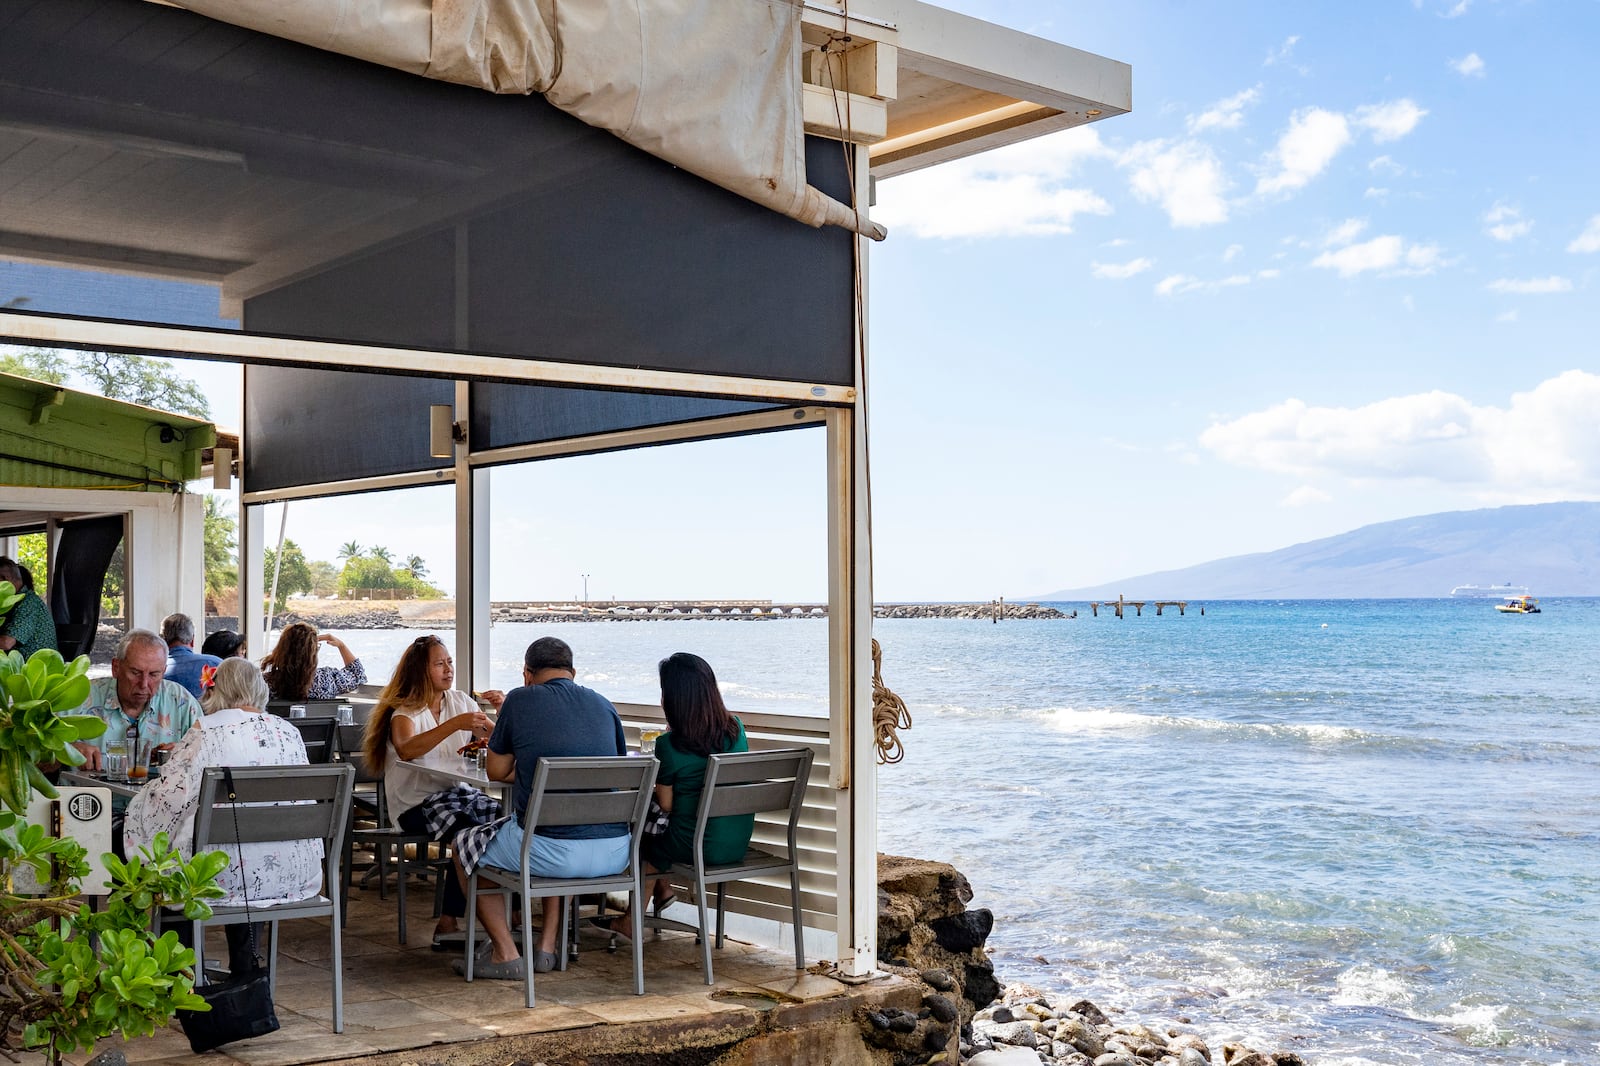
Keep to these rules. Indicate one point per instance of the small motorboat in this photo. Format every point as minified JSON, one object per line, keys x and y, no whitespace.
{"x":1518,"y":605}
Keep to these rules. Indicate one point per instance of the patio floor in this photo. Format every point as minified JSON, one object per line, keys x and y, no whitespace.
{"x":400,"y":1001}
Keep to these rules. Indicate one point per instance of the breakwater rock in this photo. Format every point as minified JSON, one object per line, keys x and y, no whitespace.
{"x":925,"y":930}
{"x":1029,"y":1028}
{"x":983,"y":611}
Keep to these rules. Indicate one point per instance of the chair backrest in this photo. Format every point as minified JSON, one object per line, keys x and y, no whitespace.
{"x":350,"y":739}
{"x":590,"y":791}
{"x":308,"y":802}
{"x":755,"y":782}
{"x":318,"y":733}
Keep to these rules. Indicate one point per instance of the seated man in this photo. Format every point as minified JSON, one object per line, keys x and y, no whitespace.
{"x":549,"y":716}
{"x":136,"y":697}
{"x":29,"y":626}
{"x":185,"y":665}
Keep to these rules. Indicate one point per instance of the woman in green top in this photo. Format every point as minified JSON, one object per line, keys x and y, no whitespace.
{"x":699,"y":726}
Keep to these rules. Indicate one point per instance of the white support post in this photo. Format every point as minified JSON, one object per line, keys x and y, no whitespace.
{"x":252,"y":541}
{"x":855,"y":767}
{"x":163,"y":535}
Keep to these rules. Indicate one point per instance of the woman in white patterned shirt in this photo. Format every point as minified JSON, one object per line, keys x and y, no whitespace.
{"x":234,"y":732}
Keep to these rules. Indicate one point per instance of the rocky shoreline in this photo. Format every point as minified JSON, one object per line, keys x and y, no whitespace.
{"x":927,"y":932}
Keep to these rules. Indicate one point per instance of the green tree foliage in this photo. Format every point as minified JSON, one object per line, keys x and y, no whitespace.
{"x":142,"y":380}
{"x":36,"y":363}
{"x":372,"y":572}
{"x":383,"y":555}
{"x":33,"y":551}
{"x":351,"y":550}
{"x":62,"y":992}
{"x":222,"y":570}
{"x":324,"y":578}
{"x":295,"y":576}
{"x":415,"y":566}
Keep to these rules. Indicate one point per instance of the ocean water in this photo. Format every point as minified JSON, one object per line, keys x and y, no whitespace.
{"x":1368,"y":831}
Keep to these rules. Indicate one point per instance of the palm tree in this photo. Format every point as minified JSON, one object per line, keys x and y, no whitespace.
{"x":351,"y":550}
{"x":383,"y":555}
{"x":416,"y":567}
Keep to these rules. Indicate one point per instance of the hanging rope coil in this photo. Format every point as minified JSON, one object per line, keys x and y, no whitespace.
{"x":889,"y":713}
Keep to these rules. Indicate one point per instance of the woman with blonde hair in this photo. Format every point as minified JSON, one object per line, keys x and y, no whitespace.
{"x":291,"y":666}
{"x":232,"y":732}
{"x":418,"y":721}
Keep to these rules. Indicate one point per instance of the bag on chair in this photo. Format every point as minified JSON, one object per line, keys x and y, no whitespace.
{"x":242,"y":1006}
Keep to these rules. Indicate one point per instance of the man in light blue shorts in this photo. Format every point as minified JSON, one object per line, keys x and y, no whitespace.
{"x":549,"y":716}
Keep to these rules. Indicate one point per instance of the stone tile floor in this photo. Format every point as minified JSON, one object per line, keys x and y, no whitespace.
{"x":398,"y":998}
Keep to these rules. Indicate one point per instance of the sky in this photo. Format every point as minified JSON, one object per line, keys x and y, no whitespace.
{"x":1338,"y":266}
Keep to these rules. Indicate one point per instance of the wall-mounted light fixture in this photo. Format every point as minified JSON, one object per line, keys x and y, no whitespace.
{"x":222,"y":469}
{"x":444,"y":432}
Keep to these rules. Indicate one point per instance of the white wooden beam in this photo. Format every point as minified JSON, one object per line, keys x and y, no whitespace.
{"x":64,"y":331}
{"x":844,"y":116}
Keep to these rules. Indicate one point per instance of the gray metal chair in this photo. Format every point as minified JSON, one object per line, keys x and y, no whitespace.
{"x":318,"y":734}
{"x":754,"y":782}
{"x":575,"y":791}
{"x":381,"y":837}
{"x":278,"y":803}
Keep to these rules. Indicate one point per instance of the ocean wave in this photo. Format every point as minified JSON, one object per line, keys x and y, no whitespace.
{"x":1106,"y":720}
{"x":1366,"y":985}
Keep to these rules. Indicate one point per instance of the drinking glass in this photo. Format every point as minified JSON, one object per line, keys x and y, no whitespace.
{"x":347,"y":714}
{"x":139,"y":766}
{"x":297,"y":710}
{"x":647,"y":740}
{"x":114,"y":763}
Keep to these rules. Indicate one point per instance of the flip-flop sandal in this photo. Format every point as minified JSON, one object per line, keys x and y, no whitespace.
{"x":608,"y":926}
{"x":453,"y":941}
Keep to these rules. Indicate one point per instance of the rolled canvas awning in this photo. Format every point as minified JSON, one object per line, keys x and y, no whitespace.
{"x":710,"y":87}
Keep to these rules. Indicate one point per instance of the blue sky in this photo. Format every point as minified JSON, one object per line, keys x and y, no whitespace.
{"x":1337,"y":267}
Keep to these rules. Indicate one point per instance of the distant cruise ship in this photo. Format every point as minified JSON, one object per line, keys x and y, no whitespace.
{"x":1488,"y":591}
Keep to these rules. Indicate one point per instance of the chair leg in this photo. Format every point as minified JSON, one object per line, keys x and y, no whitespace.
{"x":197,"y":934}
{"x":722,"y":915}
{"x":472,"y":922}
{"x":705,"y":929}
{"x":272,"y":956}
{"x":799,"y":921}
{"x":337,"y":937}
{"x":527,"y":942}
{"x":640,"y":901}
{"x":380,"y":853}
{"x":400,"y":885}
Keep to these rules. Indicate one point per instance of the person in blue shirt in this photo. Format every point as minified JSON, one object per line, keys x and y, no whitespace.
{"x":189,"y":668}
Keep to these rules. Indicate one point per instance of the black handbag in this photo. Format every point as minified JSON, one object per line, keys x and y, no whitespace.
{"x":241,"y":1007}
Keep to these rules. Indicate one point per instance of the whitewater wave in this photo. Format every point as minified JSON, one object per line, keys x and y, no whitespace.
{"x":1366,"y":985}
{"x":1105,"y":720}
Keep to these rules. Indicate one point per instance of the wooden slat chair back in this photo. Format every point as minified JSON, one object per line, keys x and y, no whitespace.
{"x":754,"y":782}
{"x":575,"y":791}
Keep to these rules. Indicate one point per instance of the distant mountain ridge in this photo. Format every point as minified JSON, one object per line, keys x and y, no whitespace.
{"x":1553,"y":548}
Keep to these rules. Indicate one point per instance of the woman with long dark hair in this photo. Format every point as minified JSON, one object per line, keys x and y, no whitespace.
{"x":419,"y":720}
{"x":291,"y":666}
{"x":699,"y":725}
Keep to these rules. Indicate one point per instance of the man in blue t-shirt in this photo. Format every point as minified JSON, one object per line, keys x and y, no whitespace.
{"x":549,"y":716}
{"x":189,"y":668}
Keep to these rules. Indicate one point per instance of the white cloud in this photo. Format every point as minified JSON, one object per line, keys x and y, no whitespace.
{"x":1226,"y":114}
{"x":1231,"y":252}
{"x":1387,"y":254}
{"x":1506,"y":316}
{"x":1281,"y":53}
{"x":1390,"y":121}
{"x":1542,"y":444}
{"x":1344,"y":232}
{"x":1304,"y":495}
{"x":1116,"y":242}
{"x":1120,"y":271}
{"x":1458,"y":9}
{"x":1386,"y":165}
{"x":1306,"y":148}
{"x":1016,"y":191}
{"x":1530,"y":286}
{"x":1185,"y":178}
{"x":1178,"y":284}
{"x":1504,"y":222}
{"x":1468,"y":66}
{"x":1375,"y":193}
{"x":1589,"y":239}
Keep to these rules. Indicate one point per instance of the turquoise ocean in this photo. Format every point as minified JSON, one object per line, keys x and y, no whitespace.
{"x":1367,"y":831}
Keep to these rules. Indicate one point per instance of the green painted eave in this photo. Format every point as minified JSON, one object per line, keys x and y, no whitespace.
{"x":55,"y":437}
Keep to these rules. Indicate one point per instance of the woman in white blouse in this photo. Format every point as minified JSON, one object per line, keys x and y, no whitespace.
{"x":420,"y":720}
{"x":233,"y":732}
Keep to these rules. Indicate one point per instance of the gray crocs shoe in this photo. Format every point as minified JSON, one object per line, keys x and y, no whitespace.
{"x":510,"y":970}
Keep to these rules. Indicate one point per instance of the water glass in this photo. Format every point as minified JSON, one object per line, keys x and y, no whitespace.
{"x":297,"y":710}
{"x":115,"y":764}
{"x":139,"y":765}
{"x":647,"y":741}
{"x":347,"y":714}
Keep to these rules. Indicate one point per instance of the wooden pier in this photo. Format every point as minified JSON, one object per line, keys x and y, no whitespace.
{"x":1119,"y":604}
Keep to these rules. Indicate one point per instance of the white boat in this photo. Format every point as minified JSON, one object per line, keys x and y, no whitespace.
{"x":1518,"y":605}
{"x":1488,"y":592}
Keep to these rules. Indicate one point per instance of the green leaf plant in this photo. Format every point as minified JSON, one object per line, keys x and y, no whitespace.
{"x":69,"y":975}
